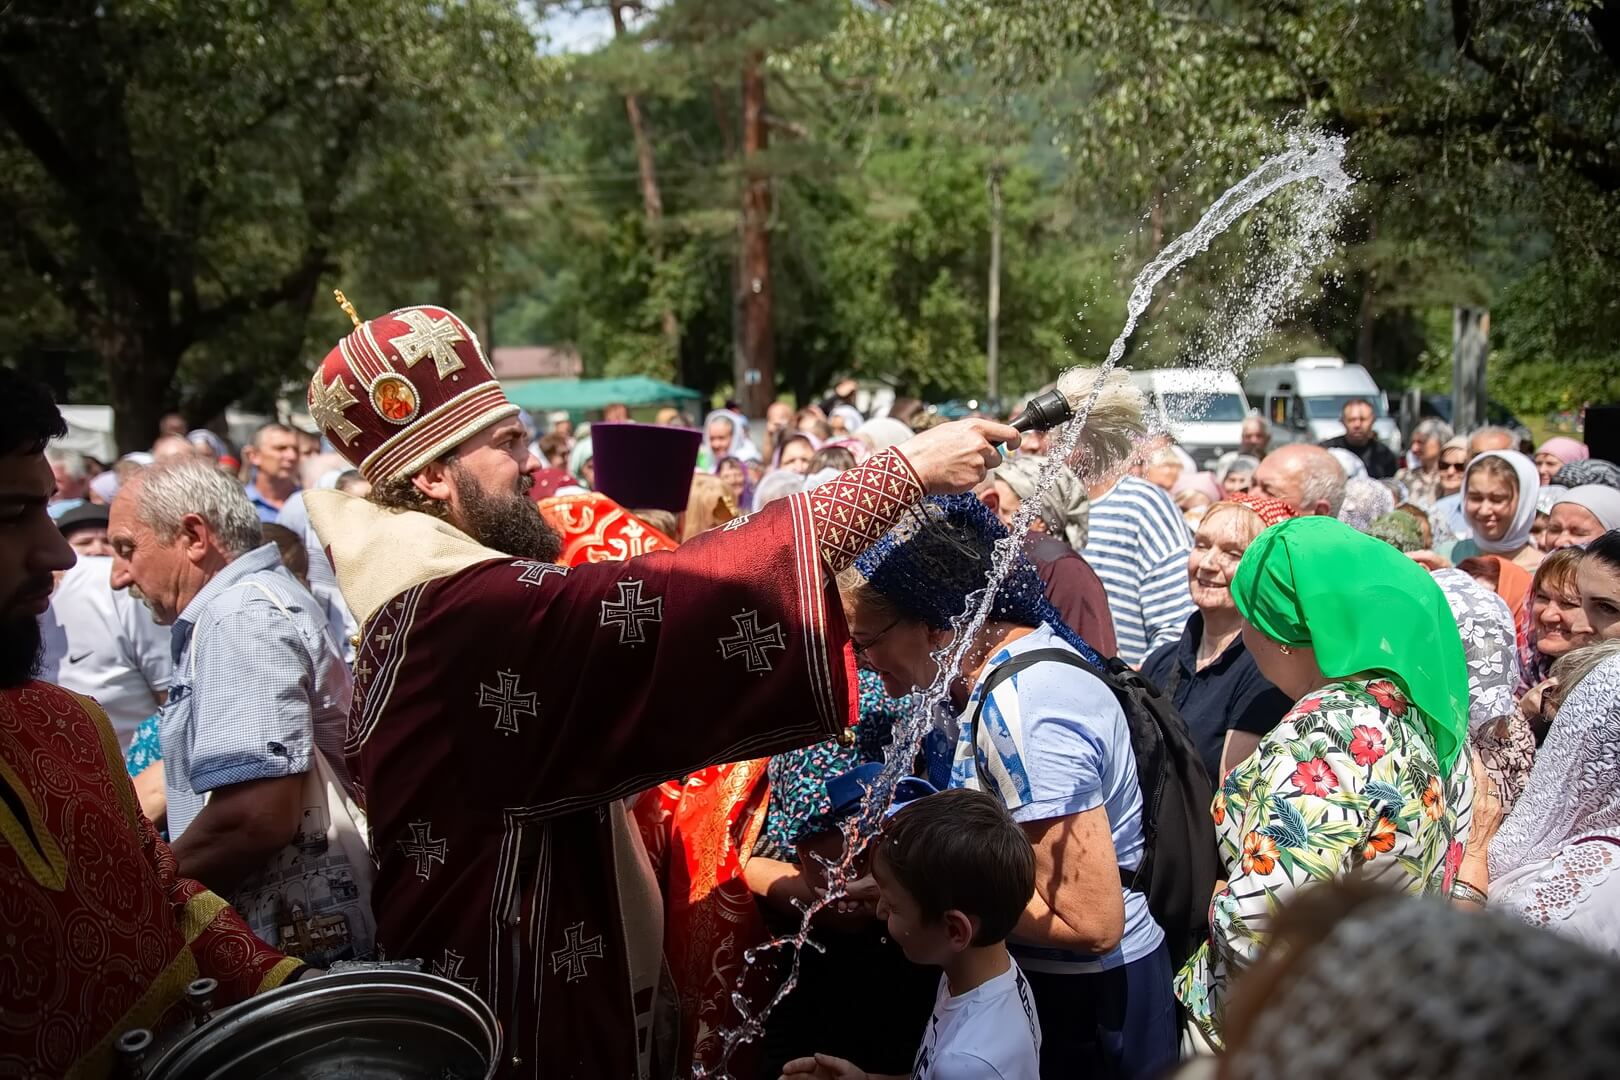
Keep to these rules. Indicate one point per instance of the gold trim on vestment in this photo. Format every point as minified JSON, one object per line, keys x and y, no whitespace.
{"x":199,"y":911}
{"x":278,"y":974}
{"x":45,"y":862}
{"x":116,"y":769}
{"x":158,"y":998}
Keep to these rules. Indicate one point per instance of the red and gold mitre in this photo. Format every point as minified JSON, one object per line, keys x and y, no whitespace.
{"x":403,"y":389}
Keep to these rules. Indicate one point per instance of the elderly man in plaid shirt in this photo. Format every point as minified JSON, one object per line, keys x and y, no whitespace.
{"x":260,"y":694}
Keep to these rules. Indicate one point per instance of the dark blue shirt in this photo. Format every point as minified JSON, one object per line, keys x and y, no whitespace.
{"x":1228,"y":695}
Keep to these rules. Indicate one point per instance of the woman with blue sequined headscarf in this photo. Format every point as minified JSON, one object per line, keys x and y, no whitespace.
{"x":1055,"y":747}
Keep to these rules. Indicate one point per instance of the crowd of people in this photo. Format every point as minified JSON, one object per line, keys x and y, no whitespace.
{"x":575,"y":717}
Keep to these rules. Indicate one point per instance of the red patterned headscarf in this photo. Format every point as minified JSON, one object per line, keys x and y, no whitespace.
{"x":1271,"y":511}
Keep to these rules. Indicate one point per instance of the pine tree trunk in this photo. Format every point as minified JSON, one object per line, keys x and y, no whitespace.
{"x":652,"y":199}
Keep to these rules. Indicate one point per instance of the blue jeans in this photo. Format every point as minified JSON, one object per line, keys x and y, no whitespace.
{"x":1119,"y":1024}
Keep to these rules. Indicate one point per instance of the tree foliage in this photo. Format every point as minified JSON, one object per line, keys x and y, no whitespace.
{"x":180,"y":178}
{"x":180,"y":183}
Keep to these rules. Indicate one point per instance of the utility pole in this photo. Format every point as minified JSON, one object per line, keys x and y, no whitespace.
{"x":1470,"y":347}
{"x":755,"y":360}
{"x":992,"y":345}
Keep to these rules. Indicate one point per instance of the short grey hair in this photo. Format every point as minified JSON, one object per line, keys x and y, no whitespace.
{"x":1434,"y":428}
{"x":71,"y":461}
{"x":1493,"y":429}
{"x":1322,"y":480}
{"x":169,"y":492}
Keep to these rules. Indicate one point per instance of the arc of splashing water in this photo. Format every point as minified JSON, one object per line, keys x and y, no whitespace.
{"x":1310,"y":156}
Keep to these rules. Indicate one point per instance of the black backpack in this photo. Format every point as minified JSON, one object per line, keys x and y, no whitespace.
{"x":1180,"y":863}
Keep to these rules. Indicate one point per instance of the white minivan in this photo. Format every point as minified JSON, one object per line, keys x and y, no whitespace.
{"x":1304,"y":399}
{"x":1202,"y":410}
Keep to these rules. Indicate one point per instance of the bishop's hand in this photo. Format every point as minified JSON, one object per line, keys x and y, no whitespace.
{"x":954,"y":457}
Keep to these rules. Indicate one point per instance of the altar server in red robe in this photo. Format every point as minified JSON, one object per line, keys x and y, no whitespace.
{"x":98,"y":931}
{"x":504,"y":705}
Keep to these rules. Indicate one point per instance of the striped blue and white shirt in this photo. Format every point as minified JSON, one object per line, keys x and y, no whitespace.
{"x":1053,"y":742}
{"x":1139,"y":545}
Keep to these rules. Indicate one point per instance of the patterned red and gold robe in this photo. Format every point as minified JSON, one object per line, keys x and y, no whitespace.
{"x":98,"y":931}
{"x":504,"y":709}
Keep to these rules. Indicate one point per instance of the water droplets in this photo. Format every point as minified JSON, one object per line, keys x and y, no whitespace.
{"x":1310,"y":174}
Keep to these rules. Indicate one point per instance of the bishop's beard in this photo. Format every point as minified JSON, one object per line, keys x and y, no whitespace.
{"x":509,"y":522}
{"x":21,"y":649}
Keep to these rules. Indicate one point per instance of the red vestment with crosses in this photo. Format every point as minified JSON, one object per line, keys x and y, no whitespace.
{"x":505,"y":708}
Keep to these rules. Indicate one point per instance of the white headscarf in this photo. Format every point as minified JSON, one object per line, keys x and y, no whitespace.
{"x":1599,"y":500}
{"x":1524,"y":508}
{"x":1489,"y":643}
{"x":742,"y":445}
{"x":885,"y":432}
{"x":1574,"y":788}
{"x":850,"y":415}
{"x":1352,"y":465}
{"x":1063,"y":507}
{"x":776,"y":484}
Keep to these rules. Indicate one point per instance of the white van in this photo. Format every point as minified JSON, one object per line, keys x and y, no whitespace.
{"x":1202,"y":410}
{"x":1304,"y":399}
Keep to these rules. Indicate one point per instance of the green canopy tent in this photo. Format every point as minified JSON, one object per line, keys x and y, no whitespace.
{"x":585,"y":395}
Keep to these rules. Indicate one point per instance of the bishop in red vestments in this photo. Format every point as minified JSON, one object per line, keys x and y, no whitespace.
{"x":505,"y":706}
{"x":98,"y":931}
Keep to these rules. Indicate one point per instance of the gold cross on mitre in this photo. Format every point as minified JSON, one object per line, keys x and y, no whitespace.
{"x":348,"y":308}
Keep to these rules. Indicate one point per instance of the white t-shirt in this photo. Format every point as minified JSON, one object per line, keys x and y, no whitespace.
{"x":102,"y":642}
{"x":989,"y":1033}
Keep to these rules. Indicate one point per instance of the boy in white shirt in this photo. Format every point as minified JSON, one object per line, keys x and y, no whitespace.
{"x":954,"y":873}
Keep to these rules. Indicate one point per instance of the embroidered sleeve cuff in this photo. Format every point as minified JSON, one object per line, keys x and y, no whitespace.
{"x":852,"y":513}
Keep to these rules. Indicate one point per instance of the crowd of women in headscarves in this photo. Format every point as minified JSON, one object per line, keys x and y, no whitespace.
{"x":1406,"y":714}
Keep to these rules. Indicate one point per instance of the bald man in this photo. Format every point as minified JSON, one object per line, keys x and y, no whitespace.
{"x":1303,"y":476}
{"x":1490,"y":438}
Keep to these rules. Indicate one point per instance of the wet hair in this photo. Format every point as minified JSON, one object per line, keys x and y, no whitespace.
{"x":960,"y":850}
{"x":29,"y":418}
{"x":833,"y":457}
{"x":1606,"y":549}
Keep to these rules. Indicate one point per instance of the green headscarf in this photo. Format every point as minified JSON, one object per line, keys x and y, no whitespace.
{"x":1363,"y":606}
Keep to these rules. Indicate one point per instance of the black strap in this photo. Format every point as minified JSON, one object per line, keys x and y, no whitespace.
{"x":1004,"y":671}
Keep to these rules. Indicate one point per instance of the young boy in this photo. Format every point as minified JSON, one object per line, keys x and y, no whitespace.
{"x":954,"y":873}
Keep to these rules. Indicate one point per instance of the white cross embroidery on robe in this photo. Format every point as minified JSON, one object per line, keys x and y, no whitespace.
{"x":630,"y":613}
{"x":535,"y":572}
{"x":422,"y":848}
{"x":507,"y":700}
{"x":575,"y":951}
{"x":751,"y":640}
{"x":450,"y":968}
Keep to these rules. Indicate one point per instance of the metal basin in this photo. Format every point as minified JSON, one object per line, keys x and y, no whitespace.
{"x":356,"y":1025}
